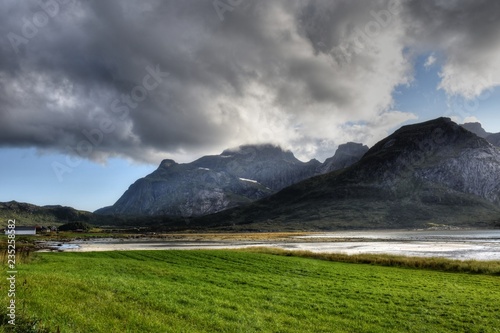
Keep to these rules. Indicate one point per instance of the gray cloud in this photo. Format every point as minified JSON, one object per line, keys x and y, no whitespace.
{"x":295,"y":73}
{"x":466,"y":33}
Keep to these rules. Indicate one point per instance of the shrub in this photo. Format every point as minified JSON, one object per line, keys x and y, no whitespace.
{"x":73,"y":226}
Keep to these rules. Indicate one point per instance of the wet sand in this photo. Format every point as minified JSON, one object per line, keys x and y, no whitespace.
{"x":452,"y":244}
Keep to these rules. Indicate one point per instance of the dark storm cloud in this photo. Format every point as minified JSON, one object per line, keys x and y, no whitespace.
{"x":79,"y":79}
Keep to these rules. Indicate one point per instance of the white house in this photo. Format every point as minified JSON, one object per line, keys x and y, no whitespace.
{"x":23,"y":230}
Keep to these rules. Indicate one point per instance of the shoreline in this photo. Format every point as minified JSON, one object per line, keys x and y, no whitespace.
{"x":451,"y":244}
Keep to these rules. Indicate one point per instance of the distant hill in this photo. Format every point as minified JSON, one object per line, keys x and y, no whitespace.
{"x":28,"y":214}
{"x":215,"y":183}
{"x":427,"y":174}
{"x":477,"y":129}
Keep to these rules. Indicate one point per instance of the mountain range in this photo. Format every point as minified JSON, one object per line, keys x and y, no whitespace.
{"x":434,"y":173}
{"x":214,"y":183}
{"x":431,"y":174}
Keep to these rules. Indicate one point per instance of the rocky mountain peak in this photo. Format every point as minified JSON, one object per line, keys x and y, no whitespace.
{"x":424,"y":174}
{"x":167,"y":163}
{"x":431,"y":136}
{"x":476,"y":128}
{"x":216,"y":182}
{"x":260,"y":151}
{"x":213,"y":183}
{"x":346,"y":155}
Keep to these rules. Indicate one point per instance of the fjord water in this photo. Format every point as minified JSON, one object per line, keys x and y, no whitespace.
{"x":452,"y":244}
{"x":414,"y":235}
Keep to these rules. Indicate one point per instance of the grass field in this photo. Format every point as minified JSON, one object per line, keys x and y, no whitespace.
{"x":238,"y":291}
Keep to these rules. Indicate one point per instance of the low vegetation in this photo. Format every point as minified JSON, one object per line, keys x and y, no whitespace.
{"x":75,"y":226}
{"x":23,"y":252}
{"x":439,"y":264}
{"x":243,"y":291}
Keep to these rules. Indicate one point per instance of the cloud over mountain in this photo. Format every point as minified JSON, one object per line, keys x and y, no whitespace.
{"x":151,"y":79}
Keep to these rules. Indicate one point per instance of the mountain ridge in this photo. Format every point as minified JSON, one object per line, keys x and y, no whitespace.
{"x":30,"y":214}
{"x":432,"y":173}
{"x":212,"y":183}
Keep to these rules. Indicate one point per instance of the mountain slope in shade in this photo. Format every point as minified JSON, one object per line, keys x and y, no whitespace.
{"x":494,"y":139}
{"x":346,"y":155}
{"x":214,"y":183}
{"x":185,"y":190}
{"x":422,"y":175}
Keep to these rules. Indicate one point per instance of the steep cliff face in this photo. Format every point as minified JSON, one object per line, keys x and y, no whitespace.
{"x":185,"y":190}
{"x":473,"y":171}
{"x":430,"y":173}
{"x":213,"y":183}
{"x":266,"y":164}
{"x":437,"y":153}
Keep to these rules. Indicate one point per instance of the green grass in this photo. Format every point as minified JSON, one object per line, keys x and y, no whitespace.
{"x":491,"y":267}
{"x":238,"y":291}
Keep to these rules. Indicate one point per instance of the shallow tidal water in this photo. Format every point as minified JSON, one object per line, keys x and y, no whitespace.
{"x":452,"y":244}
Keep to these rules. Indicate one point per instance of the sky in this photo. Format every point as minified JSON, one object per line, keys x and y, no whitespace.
{"x":94,"y":94}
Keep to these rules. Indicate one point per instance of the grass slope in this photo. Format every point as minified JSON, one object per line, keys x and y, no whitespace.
{"x":237,"y":291}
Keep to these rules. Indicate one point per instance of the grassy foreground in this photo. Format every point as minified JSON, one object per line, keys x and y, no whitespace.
{"x":238,"y":291}
{"x":491,"y":267}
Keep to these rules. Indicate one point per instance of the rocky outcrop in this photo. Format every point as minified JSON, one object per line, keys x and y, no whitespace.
{"x":472,"y":171}
{"x":267,"y":164}
{"x":346,"y":155}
